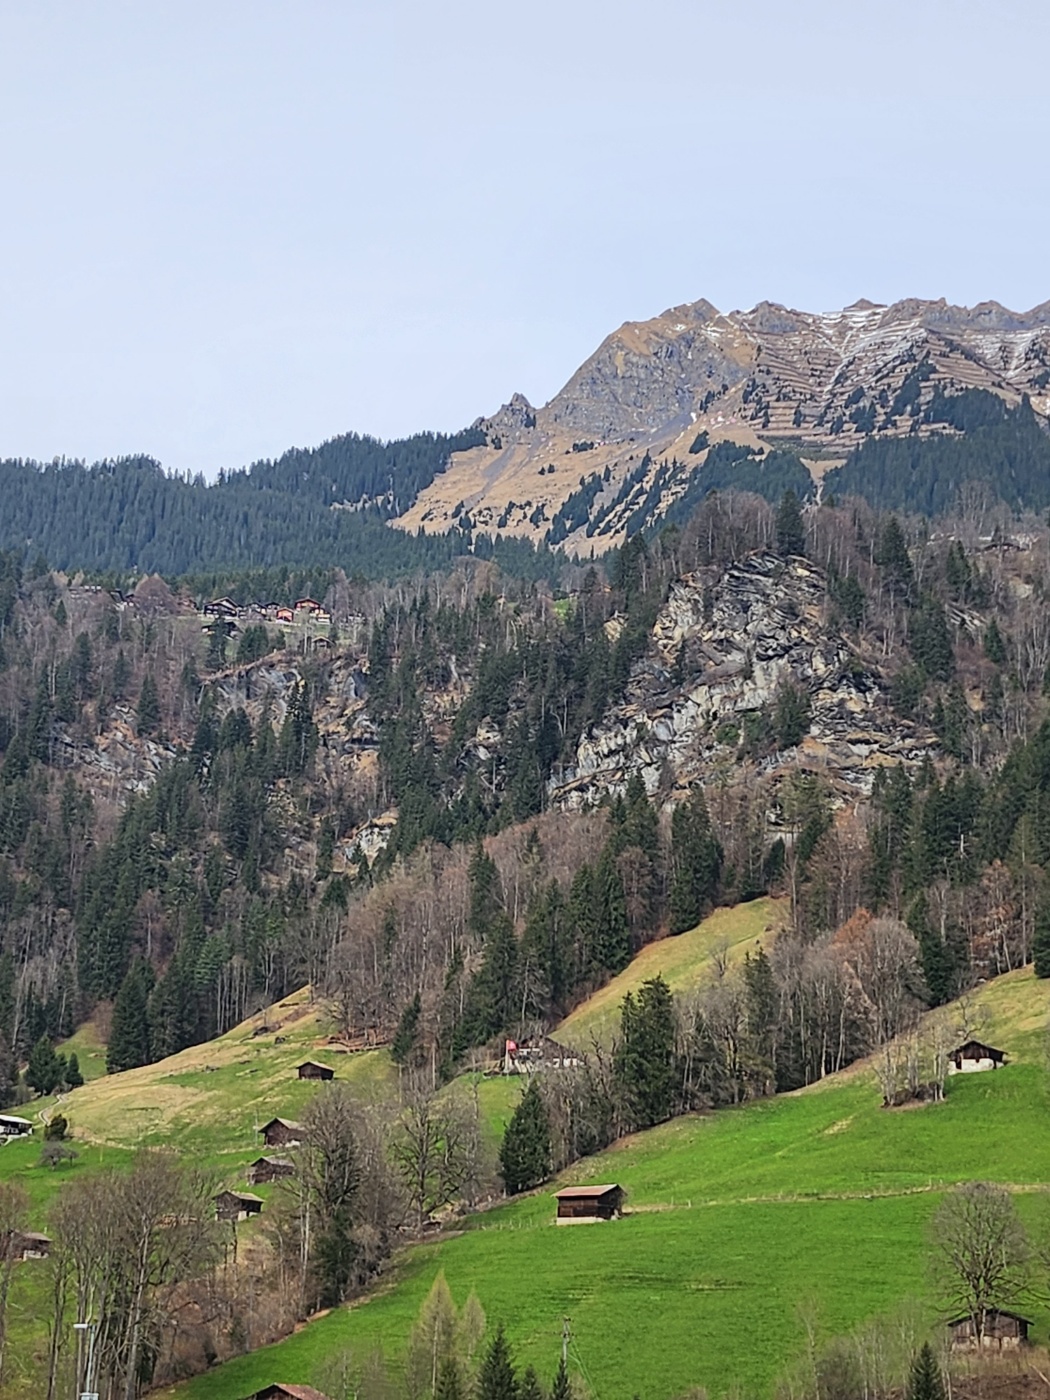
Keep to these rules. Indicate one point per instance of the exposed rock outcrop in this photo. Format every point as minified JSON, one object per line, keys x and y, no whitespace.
{"x":737,"y":635}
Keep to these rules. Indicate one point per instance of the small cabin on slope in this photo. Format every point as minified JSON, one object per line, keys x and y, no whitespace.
{"x":265,"y":1169}
{"x":974,"y":1055}
{"x":282,"y":1132}
{"x":10,"y":1126}
{"x":28,"y":1244}
{"x":310,"y":1069}
{"x":579,"y":1205}
{"x":288,"y":1392}
{"x":236,"y":1205}
{"x":999,"y":1331}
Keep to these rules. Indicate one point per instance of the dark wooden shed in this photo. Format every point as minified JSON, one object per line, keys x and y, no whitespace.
{"x":29,"y":1244}
{"x":975,"y":1055}
{"x":999,"y":1331}
{"x":282,"y":1132}
{"x":265,"y":1169}
{"x":579,"y":1204}
{"x":288,"y":1392}
{"x":236,"y":1205}
{"x":310,"y":1069}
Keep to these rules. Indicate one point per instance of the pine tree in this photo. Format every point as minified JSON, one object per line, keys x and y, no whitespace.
{"x":404,"y":1042}
{"x":530,"y":1388}
{"x":148,"y":711}
{"x":496,"y":1380}
{"x":449,"y":1386}
{"x":925,"y":1381}
{"x":562,"y":1387}
{"x":696,"y":863}
{"x":525,"y":1153}
{"x":74,"y":1078}
{"x":644,"y":1060}
{"x":994,"y":646}
{"x":43,"y":1071}
{"x":791,"y":528}
{"x":129,"y":1037}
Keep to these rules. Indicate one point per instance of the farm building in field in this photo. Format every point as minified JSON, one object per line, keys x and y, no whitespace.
{"x":578,"y":1205}
{"x":288,"y":1392}
{"x":310,"y":1069}
{"x":236,"y":1205}
{"x":265,"y":1169}
{"x":29,"y":1244}
{"x":999,"y":1331}
{"x":282,"y":1132}
{"x":974,"y":1055}
{"x":10,"y":1126}
{"x":527,"y":1056}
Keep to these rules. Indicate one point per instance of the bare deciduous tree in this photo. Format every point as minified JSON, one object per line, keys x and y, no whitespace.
{"x":980,"y":1250}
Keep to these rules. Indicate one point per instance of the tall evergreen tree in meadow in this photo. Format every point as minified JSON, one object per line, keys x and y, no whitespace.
{"x":644,"y":1060}
{"x":129,"y":1036}
{"x":530,"y":1388}
{"x":496,"y":1379}
{"x":74,"y":1078}
{"x":696,"y":863}
{"x":791,"y":528}
{"x":562,"y":1387}
{"x":525,"y":1153}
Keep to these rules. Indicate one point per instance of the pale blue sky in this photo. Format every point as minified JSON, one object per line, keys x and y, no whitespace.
{"x":227,"y":228}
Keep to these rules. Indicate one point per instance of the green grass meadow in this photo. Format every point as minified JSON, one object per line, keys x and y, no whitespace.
{"x":817,"y":1201}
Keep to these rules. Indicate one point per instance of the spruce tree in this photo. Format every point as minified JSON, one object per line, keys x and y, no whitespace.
{"x":129,"y":1038}
{"x":562,"y":1388}
{"x":925,"y":1381}
{"x":525,"y":1153}
{"x":449,"y":1386}
{"x":994,"y":646}
{"x":496,"y":1380}
{"x":530,"y":1388}
{"x":404,"y":1042}
{"x":696,"y":863}
{"x":74,"y":1078}
{"x":148,"y":711}
{"x":644,"y":1060}
{"x":791,"y":528}
{"x":43,"y":1070}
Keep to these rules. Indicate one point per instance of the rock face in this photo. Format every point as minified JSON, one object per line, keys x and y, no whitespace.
{"x":823,"y":381}
{"x":736,"y":636}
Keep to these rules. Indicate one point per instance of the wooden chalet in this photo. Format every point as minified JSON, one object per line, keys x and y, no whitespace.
{"x":29,"y":1244}
{"x":579,"y":1205}
{"x":265,"y":1169}
{"x":236,"y":1205}
{"x":12,"y":1126}
{"x":999,"y":1330}
{"x":284,"y":615}
{"x":282,"y":1132}
{"x":221,"y":607}
{"x":308,"y":605}
{"x":974,"y":1056}
{"x":310,"y":1069}
{"x":288,"y":1392}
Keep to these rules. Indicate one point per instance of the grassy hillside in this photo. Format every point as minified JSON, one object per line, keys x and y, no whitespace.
{"x":684,"y":962}
{"x":820,"y":1198}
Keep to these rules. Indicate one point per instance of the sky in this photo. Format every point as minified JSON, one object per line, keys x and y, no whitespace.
{"x":233,"y":226}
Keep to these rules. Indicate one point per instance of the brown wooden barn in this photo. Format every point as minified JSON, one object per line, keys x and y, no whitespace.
{"x":1000,"y":1331}
{"x":236,"y":1205}
{"x":310,"y":1069}
{"x":29,"y":1244}
{"x":579,"y":1205}
{"x":12,"y":1126}
{"x":288,"y":1392}
{"x":265,"y":1169}
{"x":975,"y":1056}
{"x":282,"y":1132}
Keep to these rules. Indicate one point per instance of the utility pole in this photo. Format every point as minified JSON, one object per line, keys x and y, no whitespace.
{"x":91,"y":1328}
{"x":566,"y":1333}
